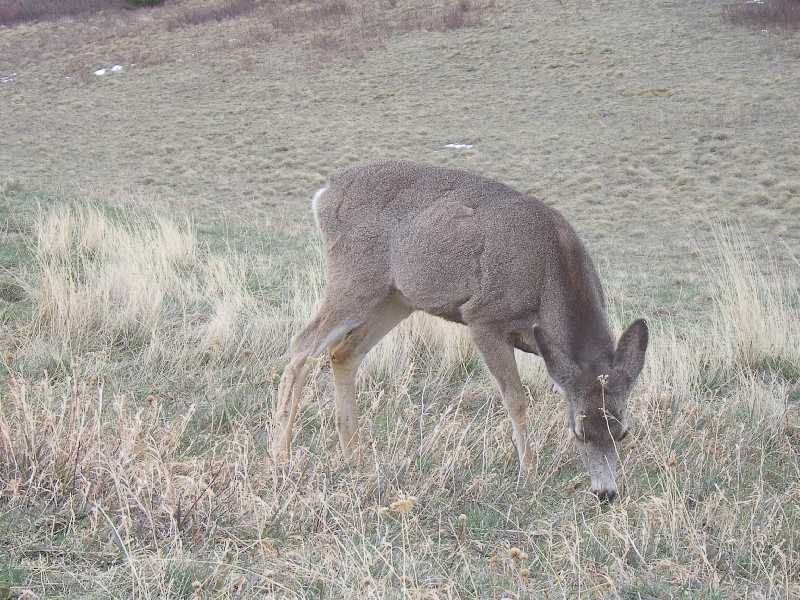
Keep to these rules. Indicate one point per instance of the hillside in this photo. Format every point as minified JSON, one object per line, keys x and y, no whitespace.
{"x":158,"y":253}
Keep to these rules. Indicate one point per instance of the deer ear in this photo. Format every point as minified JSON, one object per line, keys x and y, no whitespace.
{"x":629,"y":356}
{"x":560,"y":367}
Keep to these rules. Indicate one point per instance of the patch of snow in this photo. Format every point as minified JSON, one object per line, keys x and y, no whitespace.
{"x":6,"y":79}
{"x":458,"y":146}
{"x":114,"y":69}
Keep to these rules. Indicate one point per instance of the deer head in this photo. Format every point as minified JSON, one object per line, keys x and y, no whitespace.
{"x":596,"y":397}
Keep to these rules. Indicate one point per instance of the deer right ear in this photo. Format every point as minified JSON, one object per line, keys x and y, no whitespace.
{"x":560,"y":367}
{"x":629,"y":356}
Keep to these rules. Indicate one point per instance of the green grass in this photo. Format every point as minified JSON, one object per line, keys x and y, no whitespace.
{"x":157,"y":253}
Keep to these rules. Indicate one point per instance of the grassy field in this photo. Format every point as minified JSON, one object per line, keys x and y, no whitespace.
{"x":157,"y":254}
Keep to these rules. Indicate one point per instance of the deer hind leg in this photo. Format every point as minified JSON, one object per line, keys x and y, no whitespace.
{"x":498,"y":354}
{"x":346,"y":356}
{"x":331,"y":323}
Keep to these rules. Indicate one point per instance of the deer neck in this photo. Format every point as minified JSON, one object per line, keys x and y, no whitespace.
{"x":573,"y":304}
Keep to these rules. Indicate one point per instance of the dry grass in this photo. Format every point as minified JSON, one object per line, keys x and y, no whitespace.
{"x":138,"y":285}
{"x":110,"y":483}
{"x":753,"y":315}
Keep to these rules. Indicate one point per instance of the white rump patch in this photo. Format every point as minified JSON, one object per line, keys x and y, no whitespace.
{"x":316,"y":197}
{"x":559,"y":389}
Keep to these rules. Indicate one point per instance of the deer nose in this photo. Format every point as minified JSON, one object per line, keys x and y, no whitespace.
{"x":605,"y":495}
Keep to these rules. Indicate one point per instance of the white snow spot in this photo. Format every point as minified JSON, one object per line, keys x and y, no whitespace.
{"x":6,"y":79}
{"x":458,"y":146}
{"x":114,"y":69}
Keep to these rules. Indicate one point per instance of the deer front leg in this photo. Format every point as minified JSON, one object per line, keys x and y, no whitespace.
{"x":498,"y":354}
{"x":515,"y":402}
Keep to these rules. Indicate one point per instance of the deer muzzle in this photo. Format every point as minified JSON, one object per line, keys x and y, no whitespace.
{"x":601,"y":462}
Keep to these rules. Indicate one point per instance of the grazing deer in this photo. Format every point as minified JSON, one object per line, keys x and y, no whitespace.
{"x":403,"y":236}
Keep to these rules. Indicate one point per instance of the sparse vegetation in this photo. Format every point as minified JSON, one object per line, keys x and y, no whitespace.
{"x":157,"y":254}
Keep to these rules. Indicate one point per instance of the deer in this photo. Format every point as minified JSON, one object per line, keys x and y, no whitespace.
{"x":402,"y":236}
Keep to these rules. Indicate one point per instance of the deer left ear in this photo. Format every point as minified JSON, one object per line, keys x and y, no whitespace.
{"x":629,"y":356}
{"x":559,"y":366}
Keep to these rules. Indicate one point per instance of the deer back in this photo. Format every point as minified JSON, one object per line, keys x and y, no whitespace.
{"x":463,"y":247}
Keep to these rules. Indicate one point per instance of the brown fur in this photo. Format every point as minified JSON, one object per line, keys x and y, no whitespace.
{"x":403,"y":236}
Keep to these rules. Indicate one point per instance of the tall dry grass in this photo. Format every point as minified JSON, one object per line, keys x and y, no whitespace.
{"x":137,"y":284}
{"x":755,"y":310}
{"x":108,"y":489}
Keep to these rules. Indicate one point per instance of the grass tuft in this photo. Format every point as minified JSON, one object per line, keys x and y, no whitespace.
{"x":755,"y":320}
